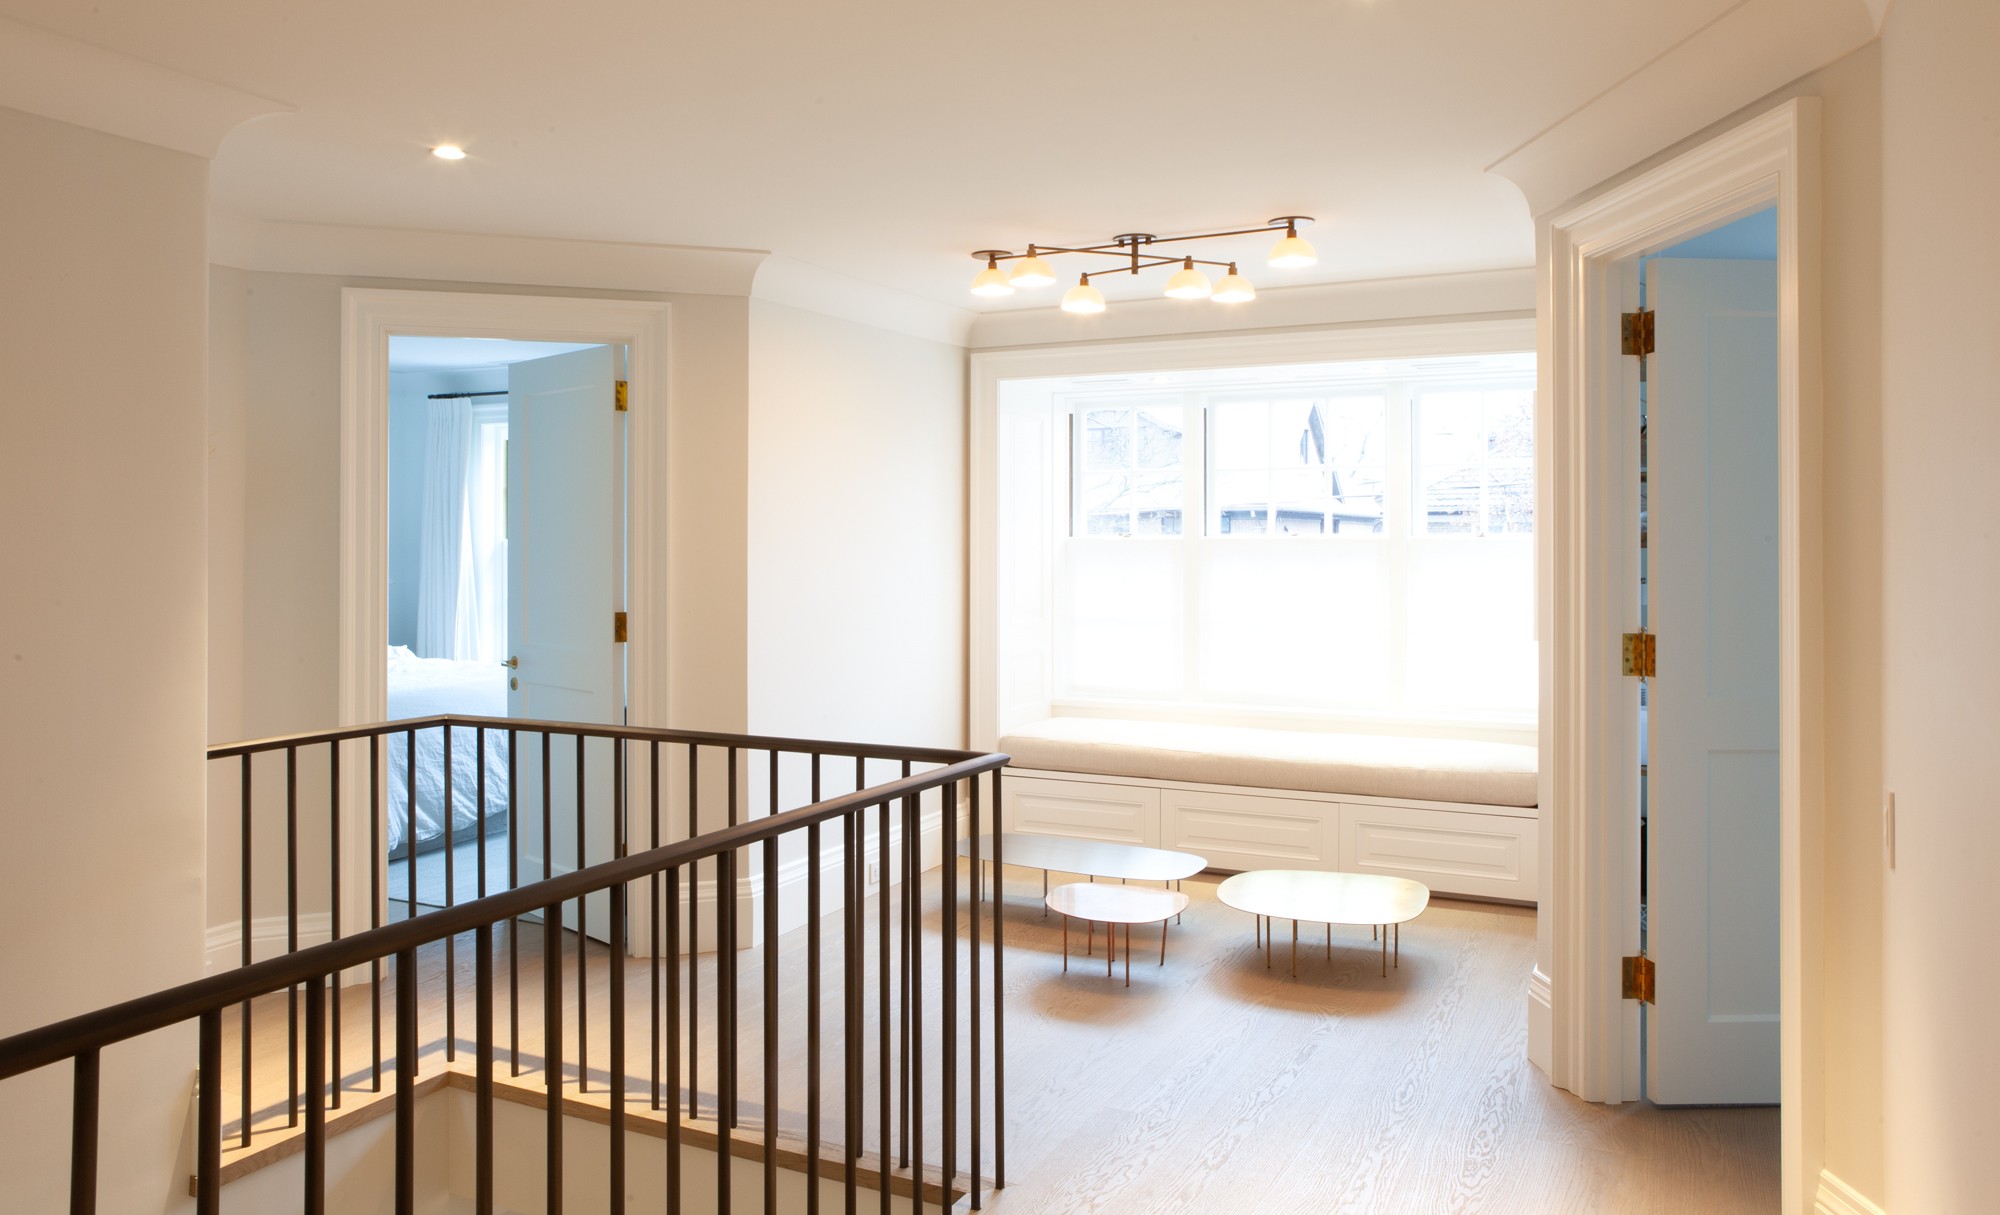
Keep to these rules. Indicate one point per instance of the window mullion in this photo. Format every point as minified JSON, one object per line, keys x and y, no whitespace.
{"x":1194,"y":490}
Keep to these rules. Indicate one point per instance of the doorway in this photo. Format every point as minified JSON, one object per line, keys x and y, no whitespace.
{"x":1582,"y":1030}
{"x":370,"y":319}
{"x":455,"y":600}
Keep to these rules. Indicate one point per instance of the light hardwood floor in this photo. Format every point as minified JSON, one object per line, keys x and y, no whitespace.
{"x":1212,"y":1084}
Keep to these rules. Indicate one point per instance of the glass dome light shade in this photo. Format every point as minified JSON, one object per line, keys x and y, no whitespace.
{"x":1293,"y":251}
{"x":1032,"y":271}
{"x":1083,"y":297}
{"x":992,"y":280}
{"x":1188,"y":283}
{"x":1233,"y":289}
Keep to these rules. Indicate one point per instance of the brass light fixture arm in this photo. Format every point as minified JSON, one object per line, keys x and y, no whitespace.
{"x":1125,"y":246}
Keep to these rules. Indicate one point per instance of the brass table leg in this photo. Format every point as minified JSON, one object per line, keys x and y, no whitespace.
{"x":1110,"y":946}
{"x":1090,"y":937}
{"x":1267,"y":942}
{"x":1128,"y":955}
{"x":1329,"y":941}
{"x":1399,"y":947}
{"x":1163,"y":942}
{"x":1385,"y":953}
{"x":1065,"y":944}
{"x":1295,"y":949}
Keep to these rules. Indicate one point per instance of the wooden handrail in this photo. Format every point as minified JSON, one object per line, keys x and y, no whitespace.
{"x":750,"y":742}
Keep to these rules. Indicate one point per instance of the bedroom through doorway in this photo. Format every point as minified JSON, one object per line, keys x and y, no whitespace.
{"x":497,"y":461}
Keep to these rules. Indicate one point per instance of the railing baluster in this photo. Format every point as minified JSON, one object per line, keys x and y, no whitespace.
{"x":913,"y":852}
{"x":315,"y":1170}
{"x":617,"y":896}
{"x":552,"y":1052}
{"x":482,"y":1021}
{"x":479,"y":837}
{"x":450,"y":898}
{"x":582,"y":938}
{"x":670,"y":936}
{"x":948,"y":977}
{"x":999,"y":999}
{"x":333,"y":900}
{"x":731,"y":1046}
{"x":771,"y":1023}
{"x":653,"y":916}
{"x":249,"y":923}
{"x":978,"y":878}
{"x":376,"y":863}
{"x":83,"y":1134}
{"x":292,"y":920}
{"x":406,"y":1071}
{"x":814,"y":862}
{"x":885,"y":1096}
{"x":410,"y":907}
{"x":725,"y":1026}
{"x":850,"y":1020}
{"x":208,"y":1117}
{"x":514,"y":883}
{"x":694,"y":936}
{"x":903,"y":907}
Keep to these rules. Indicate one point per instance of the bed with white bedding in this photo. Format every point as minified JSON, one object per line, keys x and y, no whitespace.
{"x":423,"y":687}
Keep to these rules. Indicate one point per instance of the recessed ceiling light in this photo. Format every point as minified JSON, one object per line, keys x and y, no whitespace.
{"x":448,"y":151}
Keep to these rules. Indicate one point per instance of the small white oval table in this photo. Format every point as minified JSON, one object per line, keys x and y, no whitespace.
{"x":1114,"y":905}
{"x":1374,"y":899}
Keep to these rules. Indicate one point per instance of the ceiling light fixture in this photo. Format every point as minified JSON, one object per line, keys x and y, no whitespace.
{"x":1136,"y":253}
{"x":992,"y":280}
{"x":1293,"y":251}
{"x":1083,"y":297}
{"x":1233,"y":289}
{"x":448,"y":151}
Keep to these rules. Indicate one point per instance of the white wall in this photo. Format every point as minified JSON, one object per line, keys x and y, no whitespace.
{"x":103,"y":619}
{"x":857,"y":531}
{"x":1941,"y":581}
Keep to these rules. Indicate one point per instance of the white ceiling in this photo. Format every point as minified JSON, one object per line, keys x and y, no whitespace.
{"x":468,"y":354}
{"x":885,"y":141}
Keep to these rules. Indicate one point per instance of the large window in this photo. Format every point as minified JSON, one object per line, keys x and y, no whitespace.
{"x":1336,"y":539}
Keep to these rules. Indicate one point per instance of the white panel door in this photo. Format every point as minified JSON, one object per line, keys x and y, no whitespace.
{"x":1712,"y":720}
{"x":565,"y":579}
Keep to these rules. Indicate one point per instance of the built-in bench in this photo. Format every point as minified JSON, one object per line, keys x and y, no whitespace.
{"x":1456,"y":815}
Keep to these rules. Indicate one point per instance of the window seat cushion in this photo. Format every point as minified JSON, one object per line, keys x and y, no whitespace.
{"x":1359,"y":765}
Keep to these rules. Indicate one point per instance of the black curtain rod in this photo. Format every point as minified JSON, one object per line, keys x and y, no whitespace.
{"x":448,"y":396}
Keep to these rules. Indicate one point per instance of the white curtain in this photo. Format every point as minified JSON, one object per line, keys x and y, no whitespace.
{"x":484,"y":601}
{"x":444,"y":628}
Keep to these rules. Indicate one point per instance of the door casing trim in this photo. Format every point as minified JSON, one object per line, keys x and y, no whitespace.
{"x":369,"y":317}
{"x":1581,"y":1032}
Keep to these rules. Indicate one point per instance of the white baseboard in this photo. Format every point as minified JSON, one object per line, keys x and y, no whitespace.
{"x":1836,"y":1197}
{"x":268,"y":938}
{"x":1541,"y":1021}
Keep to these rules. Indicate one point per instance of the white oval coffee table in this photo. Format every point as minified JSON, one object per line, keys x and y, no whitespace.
{"x":1374,"y":899}
{"x":1096,"y":903}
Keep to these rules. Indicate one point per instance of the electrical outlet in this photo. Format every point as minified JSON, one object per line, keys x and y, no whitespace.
{"x":874,"y":873}
{"x":1889,"y":828}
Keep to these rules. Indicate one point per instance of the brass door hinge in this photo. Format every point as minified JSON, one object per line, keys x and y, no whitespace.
{"x":1639,"y":978}
{"x":1640,"y":654}
{"x":618,"y":627}
{"x":1636,"y":332}
{"x":619,"y":402}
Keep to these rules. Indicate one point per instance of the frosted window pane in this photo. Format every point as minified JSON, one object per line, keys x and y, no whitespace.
{"x":1294,"y":624}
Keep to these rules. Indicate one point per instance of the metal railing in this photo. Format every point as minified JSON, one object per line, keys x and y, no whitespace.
{"x":656,"y":879}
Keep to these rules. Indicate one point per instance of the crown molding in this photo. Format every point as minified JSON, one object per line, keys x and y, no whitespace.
{"x":470,"y":257}
{"x":59,"y":77}
{"x":1746,"y":53}
{"x":1426,"y":297}
{"x":797,"y":284}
